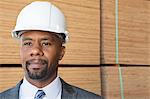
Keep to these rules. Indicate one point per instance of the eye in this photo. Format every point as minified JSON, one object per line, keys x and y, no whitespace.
{"x":27,"y":43}
{"x":46,"y":44}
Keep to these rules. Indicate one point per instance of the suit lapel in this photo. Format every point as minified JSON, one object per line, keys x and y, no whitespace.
{"x":13,"y":93}
{"x":67,"y":91}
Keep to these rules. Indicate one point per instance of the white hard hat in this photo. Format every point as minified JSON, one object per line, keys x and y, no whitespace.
{"x":40,"y":16}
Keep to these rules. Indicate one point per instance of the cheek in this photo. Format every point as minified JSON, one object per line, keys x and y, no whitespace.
{"x":23,"y":54}
{"x":51,"y":54}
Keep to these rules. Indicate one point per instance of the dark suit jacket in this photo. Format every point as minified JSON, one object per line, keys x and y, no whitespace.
{"x":68,"y":92}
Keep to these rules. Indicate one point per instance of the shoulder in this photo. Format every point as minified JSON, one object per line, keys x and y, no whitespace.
{"x":11,"y":93}
{"x":7,"y":92}
{"x":78,"y":92}
{"x":86,"y":94}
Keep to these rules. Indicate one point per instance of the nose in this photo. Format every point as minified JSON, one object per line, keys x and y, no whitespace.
{"x":36,"y":51}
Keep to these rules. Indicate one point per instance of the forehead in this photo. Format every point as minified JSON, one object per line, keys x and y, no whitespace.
{"x":38,"y":35}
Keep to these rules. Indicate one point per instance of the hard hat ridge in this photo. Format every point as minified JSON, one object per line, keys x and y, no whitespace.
{"x":40,"y":15}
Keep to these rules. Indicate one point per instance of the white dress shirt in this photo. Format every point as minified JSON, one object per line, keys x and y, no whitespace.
{"x":52,"y":91}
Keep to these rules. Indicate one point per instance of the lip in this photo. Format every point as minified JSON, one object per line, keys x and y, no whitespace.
{"x":35,"y":65}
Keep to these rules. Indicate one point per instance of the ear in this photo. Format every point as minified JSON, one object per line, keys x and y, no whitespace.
{"x":62,"y":53}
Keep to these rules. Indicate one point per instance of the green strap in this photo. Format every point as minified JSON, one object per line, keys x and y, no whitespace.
{"x":117,"y":52}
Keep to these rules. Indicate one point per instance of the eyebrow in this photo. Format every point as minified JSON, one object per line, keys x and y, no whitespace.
{"x":42,"y":39}
{"x":46,"y":38}
{"x":26,"y":38}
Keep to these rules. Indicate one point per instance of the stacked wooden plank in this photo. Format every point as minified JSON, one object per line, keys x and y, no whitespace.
{"x":83,"y":26}
{"x":82,"y":57}
{"x":134,"y":49}
{"x":83,"y":77}
{"x":133,"y":36}
{"x":135,"y":82}
{"x":87,"y":46}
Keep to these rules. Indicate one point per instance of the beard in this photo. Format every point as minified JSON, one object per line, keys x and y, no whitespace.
{"x":42,"y":74}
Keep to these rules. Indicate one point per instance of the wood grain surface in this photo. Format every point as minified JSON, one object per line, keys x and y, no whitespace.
{"x":83,"y":21}
{"x":135,"y":81}
{"x":134,"y":32}
{"x":84,"y":77}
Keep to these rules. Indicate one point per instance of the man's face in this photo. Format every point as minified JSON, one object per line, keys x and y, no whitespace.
{"x":40,"y":53}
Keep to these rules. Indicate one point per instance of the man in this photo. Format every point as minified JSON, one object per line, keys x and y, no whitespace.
{"x":41,"y":30}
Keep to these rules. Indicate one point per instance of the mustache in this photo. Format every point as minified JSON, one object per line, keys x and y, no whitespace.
{"x":36,"y":61}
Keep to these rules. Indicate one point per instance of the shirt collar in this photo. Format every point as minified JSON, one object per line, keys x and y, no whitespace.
{"x":52,"y":90}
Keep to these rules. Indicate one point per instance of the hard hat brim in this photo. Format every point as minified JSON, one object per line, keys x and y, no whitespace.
{"x":17,"y":33}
